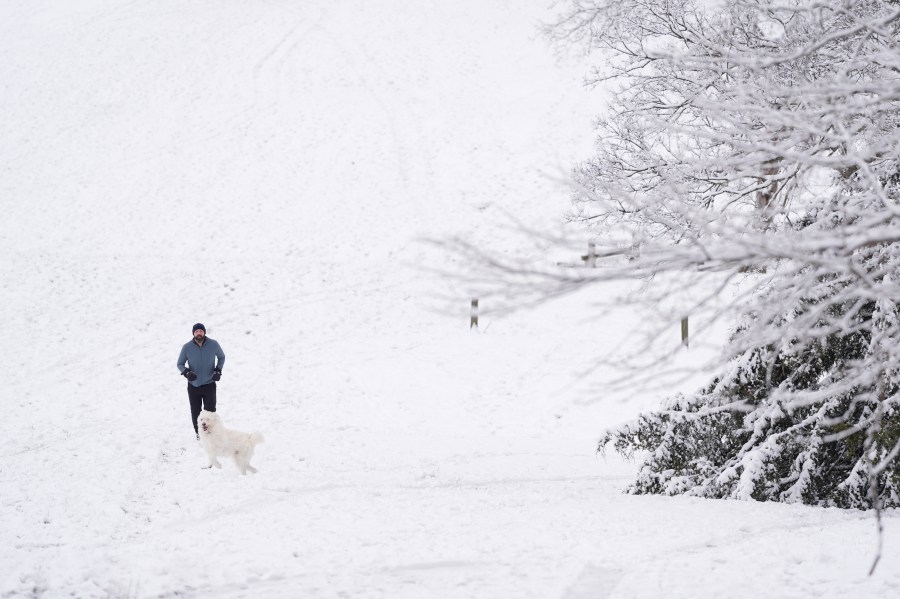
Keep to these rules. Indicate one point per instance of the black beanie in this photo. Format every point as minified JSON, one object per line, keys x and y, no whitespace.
{"x":199,"y":325}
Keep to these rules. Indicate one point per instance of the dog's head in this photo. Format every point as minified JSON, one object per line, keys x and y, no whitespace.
{"x":208,"y":421}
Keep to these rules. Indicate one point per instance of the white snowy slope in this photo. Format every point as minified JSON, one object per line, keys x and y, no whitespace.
{"x":266,"y":167}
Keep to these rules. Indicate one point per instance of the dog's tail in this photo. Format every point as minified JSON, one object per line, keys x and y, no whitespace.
{"x":256,"y":438}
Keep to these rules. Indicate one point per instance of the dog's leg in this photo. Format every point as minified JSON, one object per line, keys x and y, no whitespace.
{"x":251,"y":469}
{"x":213,"y":461}
{"x":240,"y":462}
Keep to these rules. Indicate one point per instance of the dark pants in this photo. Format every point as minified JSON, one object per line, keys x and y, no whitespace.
{"x":203,"y":396}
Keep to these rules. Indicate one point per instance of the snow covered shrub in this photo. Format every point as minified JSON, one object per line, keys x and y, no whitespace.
{"x":739,"y":439}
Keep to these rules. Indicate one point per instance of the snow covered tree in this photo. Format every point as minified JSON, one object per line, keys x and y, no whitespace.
{"x":760,"y":141}
{"x":755,"y":146}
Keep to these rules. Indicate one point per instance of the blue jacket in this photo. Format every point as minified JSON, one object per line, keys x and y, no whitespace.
{"x":202,"y":360}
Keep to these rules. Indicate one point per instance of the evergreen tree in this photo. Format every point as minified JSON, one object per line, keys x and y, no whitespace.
{"x":737,"y":439}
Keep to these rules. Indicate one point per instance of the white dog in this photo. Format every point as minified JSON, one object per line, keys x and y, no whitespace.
{"x":220,"y":441}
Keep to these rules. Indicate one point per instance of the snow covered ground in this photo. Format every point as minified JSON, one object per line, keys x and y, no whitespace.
{"x":268,"y":167}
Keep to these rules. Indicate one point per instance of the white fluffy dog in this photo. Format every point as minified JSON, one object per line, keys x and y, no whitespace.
{"x":220,"y":441}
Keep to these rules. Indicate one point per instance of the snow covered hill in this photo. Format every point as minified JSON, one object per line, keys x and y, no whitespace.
{"x":269,"y":167}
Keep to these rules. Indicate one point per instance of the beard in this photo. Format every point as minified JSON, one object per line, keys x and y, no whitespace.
{"x":199,"y":339}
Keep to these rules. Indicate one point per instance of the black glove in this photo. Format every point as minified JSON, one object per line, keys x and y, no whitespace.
{"x":189,"y":375}
{"x":217,"y":374}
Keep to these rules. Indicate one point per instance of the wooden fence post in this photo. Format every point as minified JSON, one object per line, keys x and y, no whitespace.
{"x":473,"y":322}
{"x":590,"y":260}
{"x":684,"y":331}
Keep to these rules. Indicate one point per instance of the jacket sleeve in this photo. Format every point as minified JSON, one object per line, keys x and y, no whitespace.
{"x":220,"y":357}
{"x":182,"y":359}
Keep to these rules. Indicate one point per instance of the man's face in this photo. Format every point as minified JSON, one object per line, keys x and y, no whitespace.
{"x":199,"y":335}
